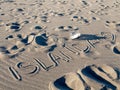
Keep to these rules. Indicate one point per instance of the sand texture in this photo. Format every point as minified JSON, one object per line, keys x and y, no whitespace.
{"x":59,"y":44}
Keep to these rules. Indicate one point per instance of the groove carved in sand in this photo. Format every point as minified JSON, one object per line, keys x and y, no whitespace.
{"x":15,"y":74}
{"x":80,"y":81}
{"x":27,"y":69}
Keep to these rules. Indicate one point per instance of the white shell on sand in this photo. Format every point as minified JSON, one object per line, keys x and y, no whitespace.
{"x":74,"y":35}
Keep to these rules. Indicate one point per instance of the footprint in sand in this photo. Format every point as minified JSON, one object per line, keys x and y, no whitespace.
{"x":81,"y":20}
{"x":113,"y":25}
{"x":118,"y":27}
{"x":30,"y":41}
{"x":9,"y":37}
{"x":66,"y":28}
{"x":15,"y":26}
{"x":4,"y":53}
{"x":37,"y":27}
{"x":102,"y":74}
{"x":70,"y":81}
{"x":41,"y":40}
{"x":116,"y":49}
{"x":44,"y":18}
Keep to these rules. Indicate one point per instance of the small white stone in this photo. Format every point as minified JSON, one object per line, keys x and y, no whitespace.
{"x":75,"y":35}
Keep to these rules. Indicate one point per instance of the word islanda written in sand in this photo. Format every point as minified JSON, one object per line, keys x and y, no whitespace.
{"x":82,"y":49}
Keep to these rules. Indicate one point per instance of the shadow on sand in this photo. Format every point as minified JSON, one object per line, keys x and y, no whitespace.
{"x":90,"y":37}
{"x":60,"y":84}
{"x":89,"y":73}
